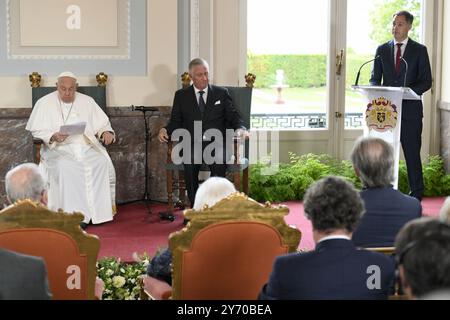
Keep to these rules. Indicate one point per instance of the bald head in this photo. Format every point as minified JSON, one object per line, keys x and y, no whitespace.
{"x":373,"y":160}
{"x":26,"y":182}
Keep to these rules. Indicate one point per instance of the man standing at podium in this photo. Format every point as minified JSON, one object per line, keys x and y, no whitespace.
{"x":403,"y":62}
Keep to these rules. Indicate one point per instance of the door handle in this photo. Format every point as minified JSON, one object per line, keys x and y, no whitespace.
{"x":338,"y":115}
{"x":339,"y":62}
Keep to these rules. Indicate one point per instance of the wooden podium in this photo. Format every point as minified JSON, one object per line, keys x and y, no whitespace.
{"x":383,"y":114}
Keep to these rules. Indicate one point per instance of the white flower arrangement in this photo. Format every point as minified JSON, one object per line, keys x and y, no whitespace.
{"x":120,"y":278}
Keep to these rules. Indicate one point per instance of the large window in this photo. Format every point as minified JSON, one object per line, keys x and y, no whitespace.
{"x":287,"y":51}
{"x":291,"y":45}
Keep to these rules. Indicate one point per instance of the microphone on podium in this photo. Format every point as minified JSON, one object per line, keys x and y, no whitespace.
{"x":143,"y":108}
{"x":406,"y":70}
{"x":359,"y":71}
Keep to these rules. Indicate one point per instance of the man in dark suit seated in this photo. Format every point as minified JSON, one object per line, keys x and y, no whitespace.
{"x":199,"y":112}
{"x":404,"y":62}
{"x":22,"y":277}
{"x":422,"y":250}
{"x":386,"y":210}
{"x":336,"y":269}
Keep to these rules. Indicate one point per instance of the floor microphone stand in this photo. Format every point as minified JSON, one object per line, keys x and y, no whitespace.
{"x":146,"y":196}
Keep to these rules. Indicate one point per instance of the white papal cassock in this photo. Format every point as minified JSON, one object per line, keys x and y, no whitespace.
{"x":80,"y":172}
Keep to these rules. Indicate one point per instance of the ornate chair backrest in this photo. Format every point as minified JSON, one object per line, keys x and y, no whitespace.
{"x":69,"y":253}
{"x":227,"y":251}
{"x":241,"y":96}
{"x":98,"y":93}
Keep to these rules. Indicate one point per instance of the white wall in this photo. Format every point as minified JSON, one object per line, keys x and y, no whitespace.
{"x":226,"y":42}
{"x":445,"y":85}
{"x":156,"y":89}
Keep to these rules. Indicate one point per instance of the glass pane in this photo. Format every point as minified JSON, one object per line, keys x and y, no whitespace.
{"x":369,"y":25}
{"x":287,"y":51}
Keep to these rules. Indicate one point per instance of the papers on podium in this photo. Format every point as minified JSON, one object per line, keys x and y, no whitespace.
{"x":408,"y":93}
{"x":73,"y":129}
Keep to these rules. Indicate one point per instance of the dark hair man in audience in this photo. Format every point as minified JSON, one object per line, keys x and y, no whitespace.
{"x":209,"y":193}
{"x":386,"y":210}
{"x":26,"y":182}
{"x":22,"y":277}
{"x":423,"y":257}
{"x":336,"y":269}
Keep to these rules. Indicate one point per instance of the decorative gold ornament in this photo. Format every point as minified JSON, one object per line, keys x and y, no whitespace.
{"x":250,"y":80}
{"x":102,"y":78}
{"x":185,"y":80}
{"x":35,"y":79}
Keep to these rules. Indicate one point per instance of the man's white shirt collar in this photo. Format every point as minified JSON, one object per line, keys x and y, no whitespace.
{"x":334,"y":238}
{"x":205,"y":95}
{"x":404,"y":42}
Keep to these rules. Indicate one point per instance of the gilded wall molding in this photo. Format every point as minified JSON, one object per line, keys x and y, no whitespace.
{"x":11,"y":55}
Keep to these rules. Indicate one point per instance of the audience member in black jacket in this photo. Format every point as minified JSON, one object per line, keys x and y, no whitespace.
{"x":386,"y":210}
{"x":336,"y":269}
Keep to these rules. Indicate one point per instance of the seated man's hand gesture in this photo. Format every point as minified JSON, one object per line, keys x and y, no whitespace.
{"x":163,"y":136}
{"x":107,"y":138}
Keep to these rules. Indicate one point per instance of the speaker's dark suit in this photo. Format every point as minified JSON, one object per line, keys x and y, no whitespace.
{"x":22,"y":277}
{"x":386,"y":212}
{"x":219,"y":114}
{"x":334,"y":270}
{"x":418,"y":79}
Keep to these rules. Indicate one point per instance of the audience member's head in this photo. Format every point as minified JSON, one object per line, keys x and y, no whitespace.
{"x":423,"y":256}
{"x":26,"y":182}
{"x":373,"y":161}
{"x":444,"y":214}
{"x":334,"y":207}
{"x":211,"y":191}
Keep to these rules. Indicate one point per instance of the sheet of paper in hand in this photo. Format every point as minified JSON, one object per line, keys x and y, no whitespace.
{"x":73,"y":129}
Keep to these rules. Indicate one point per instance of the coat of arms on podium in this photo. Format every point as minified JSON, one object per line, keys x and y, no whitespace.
{"x":381,"y":115}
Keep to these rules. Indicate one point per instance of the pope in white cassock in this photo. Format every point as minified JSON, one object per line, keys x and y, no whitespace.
{"x":78,"y":168}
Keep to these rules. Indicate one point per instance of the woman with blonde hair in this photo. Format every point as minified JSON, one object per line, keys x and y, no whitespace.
{"x":209,"y":193}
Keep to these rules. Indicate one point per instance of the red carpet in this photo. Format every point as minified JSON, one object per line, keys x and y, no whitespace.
{"x":134,"y":230}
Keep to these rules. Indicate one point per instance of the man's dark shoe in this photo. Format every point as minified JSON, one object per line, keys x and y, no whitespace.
{"x":167,"y":215}
{"x":83,"y":225}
